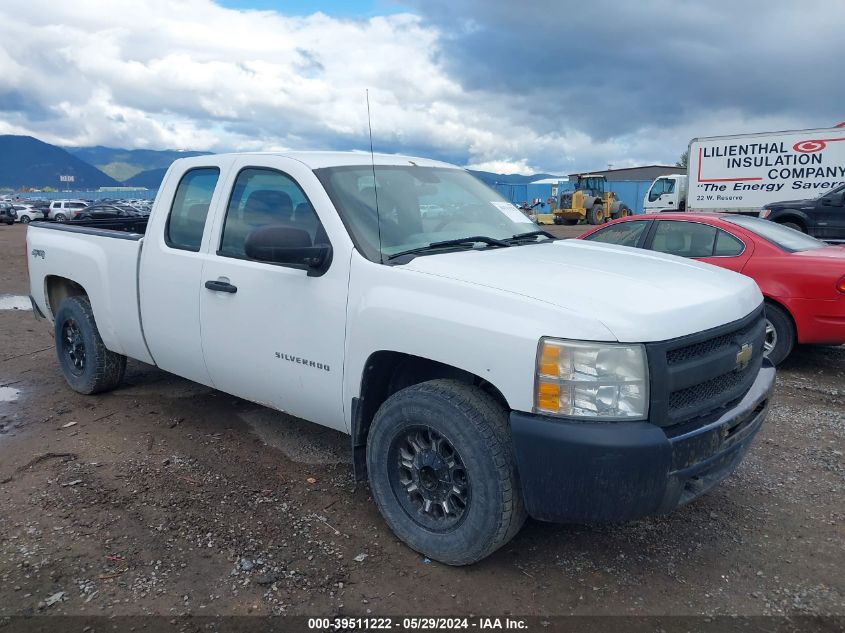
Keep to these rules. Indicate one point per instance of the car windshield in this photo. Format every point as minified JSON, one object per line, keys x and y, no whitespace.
{"x":788,"y":239}
{"x":417,"y":206}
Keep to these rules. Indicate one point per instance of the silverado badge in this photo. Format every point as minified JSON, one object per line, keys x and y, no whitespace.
{"x":744,"y":355}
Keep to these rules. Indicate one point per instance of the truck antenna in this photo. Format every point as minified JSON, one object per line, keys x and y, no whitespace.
{"x":375,"y":184}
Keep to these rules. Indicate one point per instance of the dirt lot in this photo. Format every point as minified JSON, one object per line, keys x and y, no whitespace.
{"x":166,"y":497}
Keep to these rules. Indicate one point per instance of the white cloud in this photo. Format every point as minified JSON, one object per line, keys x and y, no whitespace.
{"x":191,"y":74}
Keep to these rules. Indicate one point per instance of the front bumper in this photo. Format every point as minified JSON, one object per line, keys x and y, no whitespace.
{"x":581,"y":471}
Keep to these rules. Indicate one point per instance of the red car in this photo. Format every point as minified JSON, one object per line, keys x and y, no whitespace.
{"x":802,"y":278}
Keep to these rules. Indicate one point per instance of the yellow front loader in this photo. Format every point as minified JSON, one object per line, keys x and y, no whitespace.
{"x":590,"y":201}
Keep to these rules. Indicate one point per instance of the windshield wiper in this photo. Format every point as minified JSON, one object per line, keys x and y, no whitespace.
{"x":475,"y":239}
{"x":522,"y":236}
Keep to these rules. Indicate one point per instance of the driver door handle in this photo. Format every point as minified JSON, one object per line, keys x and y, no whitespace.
{"x":221,"y":286}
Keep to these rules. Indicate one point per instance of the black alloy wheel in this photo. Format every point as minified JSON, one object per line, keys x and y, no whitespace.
{"x":429,"y":479}
{"x":73,"y":346}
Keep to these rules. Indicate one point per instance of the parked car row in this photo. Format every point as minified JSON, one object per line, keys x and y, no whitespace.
{"x":7,"y":213}
{"x":26,"y":211}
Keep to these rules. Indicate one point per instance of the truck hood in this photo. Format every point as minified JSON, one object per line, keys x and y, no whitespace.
{"x":792,"y":204}
{"x":639,"y":296}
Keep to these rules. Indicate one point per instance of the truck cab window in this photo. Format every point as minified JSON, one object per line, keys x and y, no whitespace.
{"x":186,"y":221}
{"x":264,"y":197}
{"x":661,"y":186}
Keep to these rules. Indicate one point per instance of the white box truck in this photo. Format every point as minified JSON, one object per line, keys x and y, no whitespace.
{"x":745,"y":172}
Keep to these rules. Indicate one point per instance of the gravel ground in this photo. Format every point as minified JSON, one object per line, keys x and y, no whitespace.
{"x":166,"y":497}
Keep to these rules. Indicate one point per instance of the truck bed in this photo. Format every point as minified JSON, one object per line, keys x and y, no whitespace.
{"x":123,"y":228}
{"x":100,"y":256}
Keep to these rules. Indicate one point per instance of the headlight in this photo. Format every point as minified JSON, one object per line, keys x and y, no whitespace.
{"x":602,"y":381}
{"x":765,"y":213}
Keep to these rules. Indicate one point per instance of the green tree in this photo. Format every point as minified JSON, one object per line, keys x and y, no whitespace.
{"x":683,"y":161}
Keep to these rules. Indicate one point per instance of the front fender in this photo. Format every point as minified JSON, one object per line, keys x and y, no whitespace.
{"x":780,"y":215}
{"x":477,"y":329}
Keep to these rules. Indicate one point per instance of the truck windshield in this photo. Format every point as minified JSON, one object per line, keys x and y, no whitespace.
{"x":417,"y":206}
{"x":788,"y":239}
{"x":839,"y":189}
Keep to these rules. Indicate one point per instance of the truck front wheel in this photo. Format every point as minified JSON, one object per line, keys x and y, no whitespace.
{"x":793,"y":225}
{"x":442,"y":471}
{"x":87,"y":365}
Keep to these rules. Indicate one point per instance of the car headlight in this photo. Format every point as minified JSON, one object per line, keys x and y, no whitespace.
{"x":601,"y":381}
{"x":765,"y":213}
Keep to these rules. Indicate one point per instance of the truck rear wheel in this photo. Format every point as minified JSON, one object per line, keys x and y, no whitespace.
{"x":595,"y":214}
{"x":87,"y":365}
{"x":442,"y":471}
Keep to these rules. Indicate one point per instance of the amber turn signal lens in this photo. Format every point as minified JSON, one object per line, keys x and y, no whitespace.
{"x":548,"y":396}
{"x":840,"y":285}
{"x":550,"y":360}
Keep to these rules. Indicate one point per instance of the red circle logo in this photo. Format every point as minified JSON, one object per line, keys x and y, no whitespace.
{"x":808,"y":147}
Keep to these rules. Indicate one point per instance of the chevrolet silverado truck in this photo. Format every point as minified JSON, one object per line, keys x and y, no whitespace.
{"x":484,"y":370}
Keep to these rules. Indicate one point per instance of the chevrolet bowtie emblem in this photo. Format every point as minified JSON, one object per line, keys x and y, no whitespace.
{"x":744,"y":355}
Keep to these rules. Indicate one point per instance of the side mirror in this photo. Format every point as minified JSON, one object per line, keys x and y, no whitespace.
{"x":837,"y":200}
{"x":288,"y":246}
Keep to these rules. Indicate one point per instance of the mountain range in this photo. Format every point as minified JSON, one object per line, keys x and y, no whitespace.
{"x":124,"y":164}
{"x":28,"y":162}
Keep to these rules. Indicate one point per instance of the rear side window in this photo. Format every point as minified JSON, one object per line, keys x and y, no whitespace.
{"x":623,"y":233}
{"x":186,"y":221}
{"x":263,"y":197}
{"x":727,"y":245}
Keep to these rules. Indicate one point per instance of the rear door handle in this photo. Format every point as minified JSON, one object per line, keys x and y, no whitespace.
{"x":221,"y":286}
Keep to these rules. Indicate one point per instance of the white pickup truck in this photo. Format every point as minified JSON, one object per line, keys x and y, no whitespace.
{"x":484,"y":370}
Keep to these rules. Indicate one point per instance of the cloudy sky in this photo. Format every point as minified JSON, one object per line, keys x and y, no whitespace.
{"x":529,"y":86}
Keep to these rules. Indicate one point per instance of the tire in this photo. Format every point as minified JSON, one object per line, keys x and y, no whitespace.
{"x":24,"y":219}
{"x":445,"y":440}
{"x":60,"y":217}
{"x":622,"y":211}
{"x":87,"y":365}
{"x":793,"y":225}
{"x":780,"y":334}
{"x":595,"y":214}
